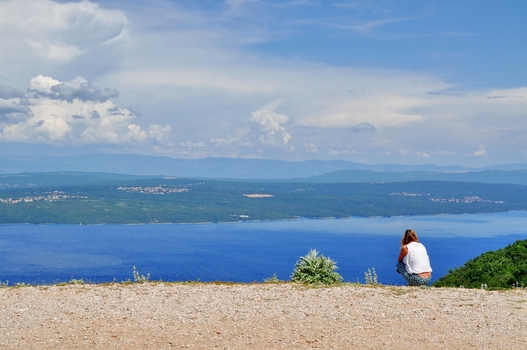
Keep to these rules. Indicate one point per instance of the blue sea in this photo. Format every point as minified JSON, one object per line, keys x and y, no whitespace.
{"x":245,"y":251}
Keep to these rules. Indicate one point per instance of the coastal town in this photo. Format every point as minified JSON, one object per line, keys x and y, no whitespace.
{"x":466,"y":199}
{"x":46,"y":197}
{"x":152,"y":189}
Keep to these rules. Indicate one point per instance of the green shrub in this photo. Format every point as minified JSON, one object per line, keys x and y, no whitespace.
{"x":500,"y":269}
{"x":315,"y":269}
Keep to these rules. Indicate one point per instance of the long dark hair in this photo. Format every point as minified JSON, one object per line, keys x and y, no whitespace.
{"x":409,"y":236}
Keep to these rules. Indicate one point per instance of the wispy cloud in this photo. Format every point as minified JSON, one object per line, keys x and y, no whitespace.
{"x":364,"y":6}
{"x":422,"y":155}
{"x":310,"y":148}
{"x":453,"y":34}
{"x":362,"y":127}
{"x":58,"y":32}
{"x":368,"y":27}
{"x":494,"y":97}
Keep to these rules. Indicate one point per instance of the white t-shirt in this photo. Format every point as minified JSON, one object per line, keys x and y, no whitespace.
{"x":417,"y":259}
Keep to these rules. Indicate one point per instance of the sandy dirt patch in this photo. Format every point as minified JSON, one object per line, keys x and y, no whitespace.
{"x":260,"y":316}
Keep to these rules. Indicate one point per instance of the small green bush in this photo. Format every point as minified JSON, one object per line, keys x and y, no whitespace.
{"x":315,"y":269}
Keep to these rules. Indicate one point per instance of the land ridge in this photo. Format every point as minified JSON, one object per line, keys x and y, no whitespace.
{"x":260,"y":316}
{"x":66,"y":198}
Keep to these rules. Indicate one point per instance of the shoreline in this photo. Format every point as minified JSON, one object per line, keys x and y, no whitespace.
{"x":267,"y":220}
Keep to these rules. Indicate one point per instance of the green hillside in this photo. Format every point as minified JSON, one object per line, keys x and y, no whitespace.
{"x":503,"y":268}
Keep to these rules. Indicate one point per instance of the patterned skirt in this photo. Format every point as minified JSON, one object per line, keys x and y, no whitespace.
{"x":412,"y":279}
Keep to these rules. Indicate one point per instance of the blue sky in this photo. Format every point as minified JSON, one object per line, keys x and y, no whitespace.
{"x":412,"y":82}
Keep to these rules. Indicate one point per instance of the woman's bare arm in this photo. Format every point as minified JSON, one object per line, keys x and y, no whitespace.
{"x":403,"y":253}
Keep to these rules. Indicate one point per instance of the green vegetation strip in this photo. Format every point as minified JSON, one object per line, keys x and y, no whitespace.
{"x":501,"y":269}
{"x":125,"y":200}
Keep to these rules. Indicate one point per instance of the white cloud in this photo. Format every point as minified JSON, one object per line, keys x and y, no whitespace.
{"x":445,"y":153}
{"x":224,"y":142}
{"x":41,"y":83}
{"x":190,"y":144}
{"x":422,"y":155}
{"x":13,"y":110}
{"x":60,"y":39}
{"x":160,"y":135}
{"x":381,"y":98}
{"x":266,"y":133}
{"x":269,"y":128}
{"x":190,"y":66}
{"x":56,"y":31}
{"x":346,"y":150}
{"x":365,"y":126}
{"x":78,"y":88}
{"x":481,"y":152}
{"x":480,"y":109}
{"x":74,"y":113}
{"x":310,"y":148}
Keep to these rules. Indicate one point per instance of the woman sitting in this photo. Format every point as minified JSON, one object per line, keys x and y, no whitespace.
{"x":414,"y":263}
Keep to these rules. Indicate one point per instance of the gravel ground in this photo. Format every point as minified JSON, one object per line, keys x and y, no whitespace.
{"x":260,"y":316}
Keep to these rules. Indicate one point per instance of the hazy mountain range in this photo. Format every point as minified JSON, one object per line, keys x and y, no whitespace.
{"x":237,"y":168}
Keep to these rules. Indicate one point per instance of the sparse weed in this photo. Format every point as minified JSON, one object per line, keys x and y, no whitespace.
{"x":272,"y":279}
{"x":315,"y":269}
{"x":371,"y":276}
{"x":21,"y":285}
{"x":518,"y":285}
{"x":196,"y":281}
{"x":399,"y":291}
{"x":4,"y":284}
{"x":74,"y":281}
{"x":138,"y":278}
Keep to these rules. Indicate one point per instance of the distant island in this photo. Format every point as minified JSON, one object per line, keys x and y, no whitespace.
{"x":99,"y":198}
